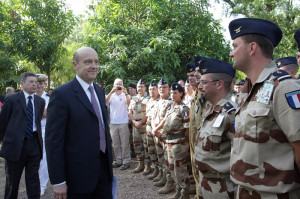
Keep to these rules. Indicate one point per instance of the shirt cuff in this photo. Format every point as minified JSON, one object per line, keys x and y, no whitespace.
{"x":64,"y":182}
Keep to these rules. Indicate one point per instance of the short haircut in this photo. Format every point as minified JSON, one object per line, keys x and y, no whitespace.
{"x":118,"y":80}
{"x":290,"y":67}
{"x":263,"y":42}
{"x":25,"y":75}
{"x":227,"y":79}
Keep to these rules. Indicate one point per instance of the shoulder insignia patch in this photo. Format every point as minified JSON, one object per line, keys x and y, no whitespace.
{"x":293,"y":99}
{"x":228,"y":107}
{"x":281,"y":75}
{"x":186,"y":113}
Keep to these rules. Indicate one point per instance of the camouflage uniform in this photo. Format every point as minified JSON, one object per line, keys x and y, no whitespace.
{"x":212,"y":150}
{"x":162,"y":106}
{"x":138,"y":108}
{"x":150,"y":111}
{"x":196,"y":111}
{"x":177,"y":120}
{"x":262,"y":159}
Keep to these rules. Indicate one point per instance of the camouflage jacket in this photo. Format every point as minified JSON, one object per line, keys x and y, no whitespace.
{"x":213,"y":140}
{"x":262,"y":157}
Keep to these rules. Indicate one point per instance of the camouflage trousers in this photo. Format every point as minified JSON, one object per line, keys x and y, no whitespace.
{"x":244,"y":193}
{"x":151,"y":146}
{"x":162,"y":156}
{"x":178,"y":158}
{"x":216,"y":188}
{"x":159,"y":146}
{"x":140,"y":143}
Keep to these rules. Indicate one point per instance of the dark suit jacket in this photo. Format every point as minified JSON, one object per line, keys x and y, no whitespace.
{"x":13,"y":123}
{"x":72,"y":138}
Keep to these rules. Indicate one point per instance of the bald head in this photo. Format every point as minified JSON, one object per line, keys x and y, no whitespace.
{"x":80,"y":51}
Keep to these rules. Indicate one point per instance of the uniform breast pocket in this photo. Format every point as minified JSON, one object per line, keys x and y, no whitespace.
{"x":257,"y":124}
{"x":213,"y":141}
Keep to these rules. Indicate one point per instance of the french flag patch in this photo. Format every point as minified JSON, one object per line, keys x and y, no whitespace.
{"x":293,"y":99}
{"x":186,"y":113}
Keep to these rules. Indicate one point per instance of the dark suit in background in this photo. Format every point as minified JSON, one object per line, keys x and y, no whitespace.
{"x":72,"y":138}
{"x":17,"y":150}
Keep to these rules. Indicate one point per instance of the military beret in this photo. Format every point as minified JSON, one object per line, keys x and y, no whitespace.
{"x":216,"y":66}
{"x":198,"y":60}
{"x":177,"y":86}
{"x":245,"y":26}
{"x":41,"y":77}
{"x":162,"y":82}
{"x":297,"y":38}
{"x":190,"y":67}
{"x":132,"y":85}
{"x":285,"y":61}
{"x":152,"y":83}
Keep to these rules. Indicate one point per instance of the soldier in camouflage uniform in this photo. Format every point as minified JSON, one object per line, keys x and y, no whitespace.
{"x":137,"y":115}
{"x":164,"y":178}
{"x":132,"y":93}
{"x":196,"y":111}
{"x":150,"y":110}
{"x":265,"y":154}
{"x":175,"y":126}
{"x":213,"y":139}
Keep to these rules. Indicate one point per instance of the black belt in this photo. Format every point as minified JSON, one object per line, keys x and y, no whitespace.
{"x":175,"y":136}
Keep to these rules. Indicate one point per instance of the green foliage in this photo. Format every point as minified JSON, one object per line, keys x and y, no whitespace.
{"x":37,"y":30}
{"x":8,"y":76}
{"x":151,"y":39}
{"x":284,"y":13}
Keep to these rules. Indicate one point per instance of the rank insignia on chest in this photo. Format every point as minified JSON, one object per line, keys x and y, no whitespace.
{"x":265,"y":93}
{"x":186,"y":113}
{"x":293,"y":99}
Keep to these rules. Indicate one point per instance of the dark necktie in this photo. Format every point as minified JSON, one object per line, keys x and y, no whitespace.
{"x":29,"y":119}
{"x":97,"y":111}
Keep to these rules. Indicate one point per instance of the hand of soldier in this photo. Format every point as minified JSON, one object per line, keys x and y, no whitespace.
{"x":157,"y":134}
{"x":137,"y":124}
{"x":60,"y":191}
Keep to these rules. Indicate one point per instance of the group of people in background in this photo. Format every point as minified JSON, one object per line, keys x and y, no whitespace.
{"x":210,"y":135}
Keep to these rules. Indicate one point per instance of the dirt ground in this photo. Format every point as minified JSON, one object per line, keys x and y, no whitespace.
{"x":130,"y":186}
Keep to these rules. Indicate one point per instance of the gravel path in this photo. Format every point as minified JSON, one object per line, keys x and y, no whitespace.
{"x":130,"y":186}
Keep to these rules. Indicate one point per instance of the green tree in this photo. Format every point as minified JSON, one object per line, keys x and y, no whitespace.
{"x":284,"y":13}
{"x":152,"y":38}
{"x":40,"y":30}
{"x":8,"y":56}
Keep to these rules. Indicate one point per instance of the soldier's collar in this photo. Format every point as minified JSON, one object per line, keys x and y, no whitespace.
{"x":268,"y":70}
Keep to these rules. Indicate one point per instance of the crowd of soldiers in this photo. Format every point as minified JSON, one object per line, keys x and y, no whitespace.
{"x":236,"y":144}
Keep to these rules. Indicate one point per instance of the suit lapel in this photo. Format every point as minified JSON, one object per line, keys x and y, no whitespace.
{"x":101,"y":102}
{"x":22,"y":101}
{"x":81,"y":95}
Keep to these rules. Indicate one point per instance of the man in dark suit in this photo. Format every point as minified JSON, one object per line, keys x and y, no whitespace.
{"x":78,"y":144}
{"x":20,"y":133}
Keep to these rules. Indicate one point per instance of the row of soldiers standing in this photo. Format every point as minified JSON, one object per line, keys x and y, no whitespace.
{"x":243,"y":148}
